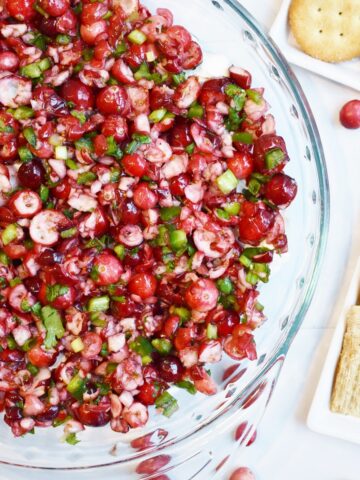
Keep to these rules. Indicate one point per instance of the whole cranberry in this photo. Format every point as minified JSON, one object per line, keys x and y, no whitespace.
{"x":143,"y":284}
{"x":78,"y":93}
{"x":31,"y":174}
{"x":350,"y":114}
{"x":281,"y":190}
{"x":270,"y":154}
{"x":255,"y":222}
{"x":170,"y":368}
{"x":113,"y":100}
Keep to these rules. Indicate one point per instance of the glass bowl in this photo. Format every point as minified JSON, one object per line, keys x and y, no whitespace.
{"x":188,"y":444}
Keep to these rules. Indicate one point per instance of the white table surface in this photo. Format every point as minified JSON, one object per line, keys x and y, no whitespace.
{"x":285,"y":448}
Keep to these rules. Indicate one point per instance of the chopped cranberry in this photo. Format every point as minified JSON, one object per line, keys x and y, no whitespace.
{"x":170,"y":368}
{"x":93,"y":415}
{"x":241,"y":164}
{"x":107,"y":269}
{"x":255,"y":223}
{"x":143,"y":284}
{"x":113,"y":100}
{"x":148,"y":393}
{"x":134,"y":165}
{"x":202,"y":295}
{"x":39,"y":357}
{"x":55,"y":8}
{"x":144,"y":197}
{"x":31,"y":174}
{"x":270,"y":154}
{"x":22,"y":10}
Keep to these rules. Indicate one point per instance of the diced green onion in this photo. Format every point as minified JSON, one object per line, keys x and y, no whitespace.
{"x":254,"y":186}
{"x":86,"y":177}
{"x":4,"y":259}
{"x":9,"y":234}
{"x":63,"y":39}
{"x":69,"y":233}
{"x":227,"y":182}
{"x":232,"y":208}
{"x":143,"y":139}
{"x":31,"y":71}
{"x":222,"y":214}
{"x":15,"y":281}
{"x":24,"y":305}
{"x":29,"y":344}
{"x":24,"y":154}
{"x":244,"y":260}
{"x":162,"y":345}
{"x":179,"y":78}
{"x":44,"y":64}
{"x":79,"y":115}
{"x":273,"y":158}
{"x":137,"y":37}
{"x":157,"y":115}
{"x":252,"y":278}
{"x":111,"y":367}
{"x":77,"y":345}
{"x":119,"y":298}
{"x":99,"y":304}
{"x":262,"y":270}
{"x":61,"y":152}
{"x":211,"y":331}
{"x":254,"y":96}
{"x":76,"y":387}
{"x":231,"y":90}
{"x":183,"y":313}
{"x":167,"y":403}
{"x":70,"y":163}
{"x":107,"y":15}
{"x":53,"y":324}
{"x":23,"y":113}
{"x":30,"y":136}
{"x":41,"y":10}
{"x":87,"y":54}
{"x":32,"y":369}
{"x":190,"y":148}
{"x":243,"y":137}
{"x":38,"y":40}
{"x":142,"y":347}
{"x":97,"y":321}
{"x":252,"y":252}
{"x":233,"y":120}
{"x":188,"y":386}
{"x":11,"y":342}
{"x":150,"y":56}
{"x":142,"y":72}
{"x":72,"y":439}
{"x":196,"y":111}
{"x":113,"y":149}
{"x":225,"y":285}
{"x":121,"y":48}
{"x":55,"y":291}
{"x":178,"y":240}
{"x":44,"y":193}
{"x":169,"y":213}
{"x":120,"y":251}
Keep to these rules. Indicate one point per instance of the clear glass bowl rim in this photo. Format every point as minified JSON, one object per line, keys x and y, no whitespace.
{"x":319,"y":159}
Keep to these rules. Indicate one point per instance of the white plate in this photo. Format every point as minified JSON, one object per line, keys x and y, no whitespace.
{"x":347,"y":73}
{"x":321,"y":419}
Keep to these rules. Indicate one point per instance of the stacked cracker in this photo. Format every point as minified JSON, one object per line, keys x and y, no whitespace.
{"x":327,"y":29}
{"x":346,"y":389}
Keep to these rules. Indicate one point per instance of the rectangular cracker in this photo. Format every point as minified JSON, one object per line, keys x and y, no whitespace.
{"x":345,"y":396}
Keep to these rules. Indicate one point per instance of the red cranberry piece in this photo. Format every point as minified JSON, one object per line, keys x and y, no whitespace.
{"x":134,"y":165}
{"x":281,"y":190}
{"x":13,"y":414}
{"x":192,"y":56}
{"x":161,"y":97}
{"x":31,"y":174}
{"x":92,"y":345}
{"x":176,"y":40}
{"x":55,"y":8}
{"x":22,"y":10}
{"x":49,"y":414}
{"x":241,"y":164}
{"x":49,"y":257}
{"x":202,"y":295}
{"x":108,"y":269}
{"x":79,"y":94}
{"x":183,"y":338}
{"x":143,"y":284}
{"x":136,"y":55}
{"x":148,"y":393}
{"x":178,"y":184}
{"x":115,"y":126}
{"x":227,"y":324}
{"x":144,"y":197}
{"x":129,"y":213}
{"x":93,"y":415}
{"x":32,"y":284}
{"x":179,"y":135}
{"x":255,"y":222}
{"x":50,"y":101}
{"x":40,"y":357}
{"x":9,"y":61}
{"x":350,"y":114}
{"x":213,"y":91}
{"x":113,"y":100}
{"x":8,"y":355}
{"x":270,"y":154}
{"x":242,"y":473}
{"x":170,"y":368}
{"x":241,"y":77}
{"x":47,"y":26}
{"x":93,"y":12}
{"x":67,"y":23}
{"x":90,"y":33}
{"x":62,"y":189}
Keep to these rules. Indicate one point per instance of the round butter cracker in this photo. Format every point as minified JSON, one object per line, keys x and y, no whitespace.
{"x":327,"y":29}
